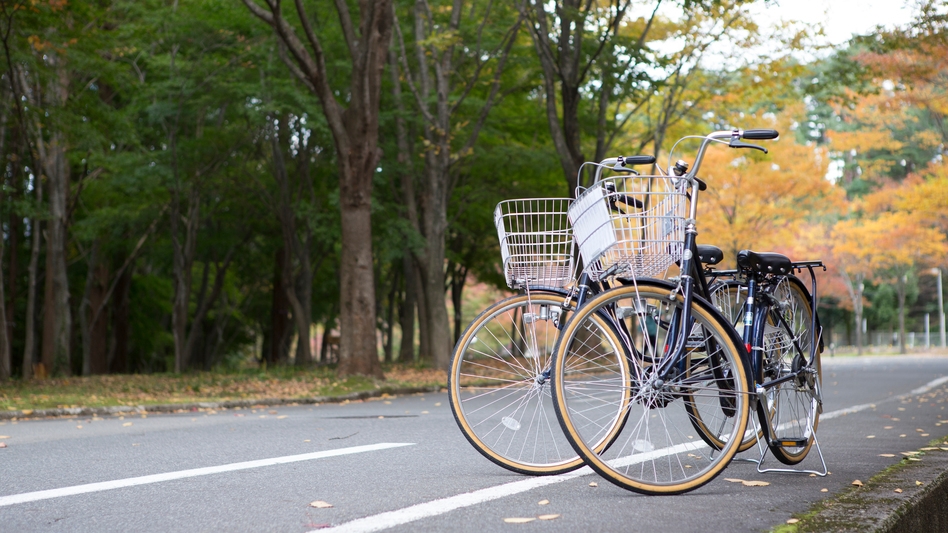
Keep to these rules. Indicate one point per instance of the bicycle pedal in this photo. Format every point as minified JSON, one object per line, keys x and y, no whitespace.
{"x":790,"y":443}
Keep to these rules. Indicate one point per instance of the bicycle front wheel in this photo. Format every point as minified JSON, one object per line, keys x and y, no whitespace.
{"x":499,"y":385}
{"x":656,"y":449}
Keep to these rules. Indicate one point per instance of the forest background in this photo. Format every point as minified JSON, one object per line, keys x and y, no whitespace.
{"x":223,"y":184}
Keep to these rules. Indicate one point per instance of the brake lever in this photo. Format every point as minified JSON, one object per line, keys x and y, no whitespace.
{"x":735,"y":143}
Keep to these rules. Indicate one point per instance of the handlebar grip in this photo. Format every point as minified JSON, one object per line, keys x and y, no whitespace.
{"x":634,"y":160}
{"x":760,"y":135}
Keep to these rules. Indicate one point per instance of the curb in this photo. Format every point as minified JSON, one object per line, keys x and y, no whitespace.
{"x":194,"y":406}
{"x":908,"y":497}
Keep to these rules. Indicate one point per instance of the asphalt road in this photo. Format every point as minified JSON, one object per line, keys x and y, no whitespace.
{"x":401,"y":464}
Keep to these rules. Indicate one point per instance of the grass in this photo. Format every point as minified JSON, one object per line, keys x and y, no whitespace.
{"x":215,"y":386}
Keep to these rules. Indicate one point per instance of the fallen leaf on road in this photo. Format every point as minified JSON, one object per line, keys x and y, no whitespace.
{"x":898,"y":491}
{"x":79,"y":427}
{"x":548,"y":516}
{"x":3,"y":445}
{"x":319,"y":504}
{"x":824,"y":490}
{"x":870,"y":436}
{"x":886,"y":455}
{"x":281,"y":417}
{"x":857,"y":483}
{"x":910,"y":453}
{"x":125,"y":425}
{"x":756,"y":483}
{"x":4,"y":437}
{"x":917,"y":483}
{"x":928,"y":448}
{"x":793,"y":520}
{"x":543,"y":502}
{"x":594,"y":484}
{"x":518,"y":520}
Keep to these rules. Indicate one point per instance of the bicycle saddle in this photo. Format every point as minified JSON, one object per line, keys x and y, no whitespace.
{"x":764,"y":262}
{"x":709,"y":255}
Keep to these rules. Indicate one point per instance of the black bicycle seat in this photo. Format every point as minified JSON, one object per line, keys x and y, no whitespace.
{"x":763,"y":262}
{"x":710,"y":254}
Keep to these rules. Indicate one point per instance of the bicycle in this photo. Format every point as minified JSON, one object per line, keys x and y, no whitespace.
{"x":676,"y":346}
{"x":499,"y":382}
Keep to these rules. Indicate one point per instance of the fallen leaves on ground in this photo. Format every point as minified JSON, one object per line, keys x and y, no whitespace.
{"x":519,"y":520}
{"x":319,"y":504}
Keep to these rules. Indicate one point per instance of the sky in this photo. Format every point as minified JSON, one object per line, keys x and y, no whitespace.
{"x":840,"y":18}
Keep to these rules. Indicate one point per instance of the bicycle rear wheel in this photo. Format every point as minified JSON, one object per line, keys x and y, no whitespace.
{"x":794,"y":404}
{"x":656,"y":449}
{"x":499,"y":385}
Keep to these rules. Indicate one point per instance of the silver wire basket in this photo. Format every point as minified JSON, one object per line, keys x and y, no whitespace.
{"x":536,"y":242}
{"x":629,"y":226}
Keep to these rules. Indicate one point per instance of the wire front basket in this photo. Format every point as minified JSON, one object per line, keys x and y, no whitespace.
{"x":629,"y":226}
{"x":536,"y":242}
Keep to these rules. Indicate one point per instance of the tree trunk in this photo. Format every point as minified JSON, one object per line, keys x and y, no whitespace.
{"x":30,"y":327}
{"x":57,"y":322}
{"x":406,"y":319}
{"x":99,"y":325}
{"x":118,"y":360}
{"x":279,"y":312}
{"x":5,"y":359}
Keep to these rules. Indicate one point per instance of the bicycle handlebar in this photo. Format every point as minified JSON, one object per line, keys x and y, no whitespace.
{"x":734,"y":141}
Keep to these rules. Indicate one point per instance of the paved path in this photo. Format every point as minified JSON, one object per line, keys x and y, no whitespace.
{"x":401,"y":464}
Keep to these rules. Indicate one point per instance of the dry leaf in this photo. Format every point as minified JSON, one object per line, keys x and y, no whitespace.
{"x":27,"y":411}
{"x":928,"y":448}
{"x":594,"y":484}
{"x":281,"y":417}
{"x":910,"y":453}
{"x":319,"y":504}
{"x":543,"y":502}
{"x":756,"y":483}
{"x":125,"y":425}
{"x":917,"y":483}
{"x":870,"y":436}
{"x":886,"y":455}
{"x":548,"y":516}
{"x":857,"y":483}
{"x":898,"y":491}
{"x":914,"y":459}
{"x":793,"y":520}
{"x":4,"y":437}
{"x":518,"y":520}
{"x":3,"y":445}
{"x":79,"y":427}
{"x":824,"y":490}
{"x":733,"y":480}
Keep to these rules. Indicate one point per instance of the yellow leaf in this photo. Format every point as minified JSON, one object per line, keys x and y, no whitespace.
{"x":755,"y":483}
{"x":793,"y":520}
{"x":543,"y":502}
{"x":27,"y":411}
{"x":125,"y":425}
{"x":319,"y":504}
{"x":733,"y":480}
{"x":518,"y":520}
{"x":910,"y":453}
{"x":925,"y":449}
{"x":548,"y":516}
{"x":886,"y":455}
{"x":824,"y":490}
{"x":917,"y":483}
{"x":4,"y":437}
{"x":594,"y":484}
{"x":79,"y":427}
{"x":857,"y":483}
{"x":898,"y":491}
{"x":870,"y":436}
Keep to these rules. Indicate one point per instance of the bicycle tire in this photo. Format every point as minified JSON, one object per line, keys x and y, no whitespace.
{"x":654,"y":450}
{"x":498,"y":392}
{"x":794,"y":404}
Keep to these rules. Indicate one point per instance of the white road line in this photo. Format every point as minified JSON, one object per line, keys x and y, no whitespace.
{"x":168,"y":476}
{"x":398,"y":517}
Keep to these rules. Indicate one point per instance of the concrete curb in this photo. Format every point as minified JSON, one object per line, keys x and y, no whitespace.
{"x":919,"y":506}
{"x":229,"y":404}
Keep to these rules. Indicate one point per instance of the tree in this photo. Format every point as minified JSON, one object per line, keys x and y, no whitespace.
{"x":355,"y":135}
